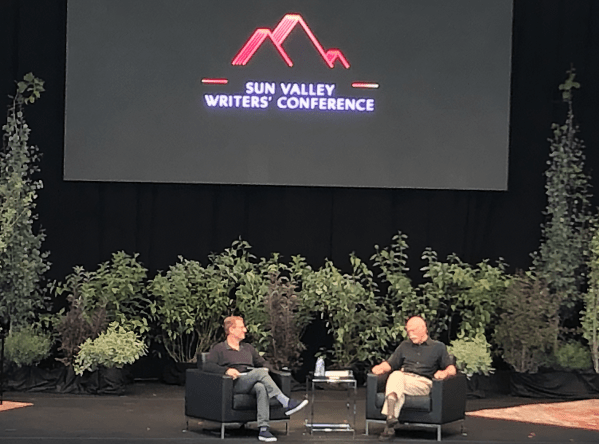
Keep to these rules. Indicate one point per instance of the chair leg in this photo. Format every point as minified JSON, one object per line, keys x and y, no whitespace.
{"x":222,"y":431}
{"x":286,"y":427}
{"x":439,"y":433}
{"x":366,"y":427}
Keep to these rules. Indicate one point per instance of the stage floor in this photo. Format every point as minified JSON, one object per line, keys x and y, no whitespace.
{"x":154,"y":413}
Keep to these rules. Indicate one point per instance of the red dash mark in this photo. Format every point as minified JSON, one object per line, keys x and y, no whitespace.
{"x":215,"y":81}
{"x":365,"y":85}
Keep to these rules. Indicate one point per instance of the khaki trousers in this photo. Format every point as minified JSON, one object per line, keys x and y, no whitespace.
{"x":403,"y":384}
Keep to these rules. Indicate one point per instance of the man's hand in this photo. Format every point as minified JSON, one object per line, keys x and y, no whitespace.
{"x":442,"y":374}
{"x":233,"y":373}
{"x":383,"y":367}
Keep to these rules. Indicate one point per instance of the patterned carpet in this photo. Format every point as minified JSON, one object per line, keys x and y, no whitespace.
{"x":576,"y":414}
{"x":8,"y":405}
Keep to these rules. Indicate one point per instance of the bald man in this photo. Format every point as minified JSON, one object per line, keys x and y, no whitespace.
{"x":414,"y":364}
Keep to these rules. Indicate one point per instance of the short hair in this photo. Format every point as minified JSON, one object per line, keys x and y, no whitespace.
{"x":230,"y":322}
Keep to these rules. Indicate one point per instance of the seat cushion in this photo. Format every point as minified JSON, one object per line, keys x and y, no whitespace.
{"x":243,"y":401}
{"x":420,"y":403}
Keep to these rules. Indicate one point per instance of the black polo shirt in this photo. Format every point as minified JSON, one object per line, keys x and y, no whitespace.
{"x":422,"y":359}
{"x":222,"y":357}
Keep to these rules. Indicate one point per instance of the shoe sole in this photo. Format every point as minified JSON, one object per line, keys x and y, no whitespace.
{"x":303,"y":404}
{"x":273,"y":439}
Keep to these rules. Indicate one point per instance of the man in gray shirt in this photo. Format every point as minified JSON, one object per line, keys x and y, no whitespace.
{"x":244,"y":364}
{"x":414,"y":364}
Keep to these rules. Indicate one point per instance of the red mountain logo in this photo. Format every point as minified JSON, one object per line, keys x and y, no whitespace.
{"x":278,"y":36}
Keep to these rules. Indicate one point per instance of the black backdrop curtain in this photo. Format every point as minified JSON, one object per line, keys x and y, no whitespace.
{"x":86,"y":222}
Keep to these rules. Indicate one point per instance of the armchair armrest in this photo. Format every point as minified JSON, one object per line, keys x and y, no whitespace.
{"x":448,"y":398}
{"x":207,"y":395}
{"x":374,"y":385}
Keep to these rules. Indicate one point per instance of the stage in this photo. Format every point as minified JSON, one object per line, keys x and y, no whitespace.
{"x":154,"y":412}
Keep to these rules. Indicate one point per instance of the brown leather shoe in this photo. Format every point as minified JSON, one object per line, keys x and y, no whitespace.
{"x":387,"y":434}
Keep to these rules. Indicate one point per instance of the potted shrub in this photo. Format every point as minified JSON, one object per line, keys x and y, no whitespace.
{"x":473,"y":358}
{"x":114,"y":292}
{"x":189,"y":305}
{"x":456,"y":299}
{"x":108,"y":354}
{"x":286,"y":321}
{"x":24,"y":349}
{"x":347,"y":305}
{"x":22,"y":261}
{"x":573,"y":356}
{"x":526,"y":335}
{"x":190,"y":302}
{"x":27,"y":346}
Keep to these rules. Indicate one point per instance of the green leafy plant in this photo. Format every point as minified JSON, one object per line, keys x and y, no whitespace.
{"x":119,"y":287}
{"x":114,"y":348}
{"x":560,"y":260}
{"x":459,"y":299}
{"x":250,"y":279}
{"x":27,"y":346}
{"x":456,"y":299}
{"x":348,"y":306}
{"x":590,"y":313}
{"x":473,"y":355}
{"x":400,"y":299}
{"x":573,"y":356}
{"x":190,"y":303}
{"x":22,"y":263}
{"x":528,"y":323}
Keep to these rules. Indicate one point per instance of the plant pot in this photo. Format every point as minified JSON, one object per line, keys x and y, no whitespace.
{"x":104,"y":381}
{"x":555,"y":385}
{"x":482,"y":386}
{"x":112,"y":381}
{"x":174,"y":372}
{"x":32,"y":379}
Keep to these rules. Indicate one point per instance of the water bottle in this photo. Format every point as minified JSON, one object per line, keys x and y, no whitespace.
{"x":319,"y":371}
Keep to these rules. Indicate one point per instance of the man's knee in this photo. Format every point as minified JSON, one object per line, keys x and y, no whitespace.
{"x":259,"y":388}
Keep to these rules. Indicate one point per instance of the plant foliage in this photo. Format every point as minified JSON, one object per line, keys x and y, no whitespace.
{"x":117,"y":286}
{"x":456,"y":299}
{"x":22,"y":263}
{"x":473,"y":355}
{"x":348,"y":306}
{"x":79,"y":322}
{"x":114,"y":348}
{"x":190,"y":303}
{"x":573,"y":356}
{"x":560,"y":260}
{"x":528,"y":323}
{"x":287,"y":319}
{"x":27,"y":346}
{"x":459,"y":300}
{"x":590,"y":314}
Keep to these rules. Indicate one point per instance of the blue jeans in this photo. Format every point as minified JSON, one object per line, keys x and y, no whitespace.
{"x":259,"y":383}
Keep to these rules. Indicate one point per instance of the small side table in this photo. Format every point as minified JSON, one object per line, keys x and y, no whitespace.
{"x":345,"y":378}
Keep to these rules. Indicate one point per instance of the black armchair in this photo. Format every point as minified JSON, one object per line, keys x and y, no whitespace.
{"x":445,"y":403}
{"x":210,"y":397}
